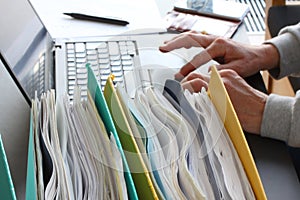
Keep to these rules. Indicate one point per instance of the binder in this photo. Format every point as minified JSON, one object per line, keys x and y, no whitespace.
{"x":7,"y":190}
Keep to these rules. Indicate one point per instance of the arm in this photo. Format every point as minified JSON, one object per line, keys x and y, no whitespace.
{"x":281,"y":115}
{"x":281,"y":119}
{"x":288,"y":45}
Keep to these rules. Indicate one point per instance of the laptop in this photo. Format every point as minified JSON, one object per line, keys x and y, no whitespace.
{"x":34,"y":62}
{"x":41,"y":62}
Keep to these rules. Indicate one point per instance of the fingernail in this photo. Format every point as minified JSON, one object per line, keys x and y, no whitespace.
{"x":161,"y":48}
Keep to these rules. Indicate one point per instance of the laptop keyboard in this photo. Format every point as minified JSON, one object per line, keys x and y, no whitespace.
{"x":106,"y":57}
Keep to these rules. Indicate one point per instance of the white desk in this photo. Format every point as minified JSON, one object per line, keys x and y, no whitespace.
{"x":140,"y":15}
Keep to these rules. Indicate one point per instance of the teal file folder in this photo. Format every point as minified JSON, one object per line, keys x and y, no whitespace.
{"x":31,"y":186}
{"x":97,"y":95}
{"x":7,"y":190}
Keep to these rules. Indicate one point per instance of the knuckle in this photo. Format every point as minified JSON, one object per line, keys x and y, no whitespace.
{"x":228,"y":73}
{"x":220,"y":41}
{"x":192,"y":75}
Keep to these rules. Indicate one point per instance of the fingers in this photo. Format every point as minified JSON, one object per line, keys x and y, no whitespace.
{"x":183,"y":40}
{"x":216,"y":49}
{"x":187,"y":40}
{"x":195,"y":82}
{"x":221,"y":67}
{"x":195,"y":85}
{"x":198,"y":60}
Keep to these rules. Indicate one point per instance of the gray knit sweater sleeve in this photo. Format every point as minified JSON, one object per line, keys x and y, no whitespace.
{"x":281,"y":118}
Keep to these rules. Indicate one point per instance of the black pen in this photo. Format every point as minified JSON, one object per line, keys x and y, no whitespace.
{"x":98,"y":19}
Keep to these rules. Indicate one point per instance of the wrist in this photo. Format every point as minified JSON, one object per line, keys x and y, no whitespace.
{"x":270,"y":57}
{"x":252,"y":116}
{"x":262,"y":100}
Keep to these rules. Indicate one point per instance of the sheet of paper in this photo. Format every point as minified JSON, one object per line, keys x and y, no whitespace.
{"x":39,"y":165}
{"x":73,"y":159}
{"x":140,"y":15}
{"x":184,"y":138}
{"x":233,"y":181}
{"x":221,"y":100}
{"x":31,"y":185}
{"x":98,"y":97}
{"x":138,"y":168}
{"x":174,"y":93}
{"x":103,"y":144}
{"x":157,"y":152}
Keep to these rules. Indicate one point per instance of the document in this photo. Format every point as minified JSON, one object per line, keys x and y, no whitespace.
{"x":179,"y":128}
{"x":138,"y":133}
{"x":229,"y":169}
{"x":161,"y":148}
{"x":31,"y":185}
{"x":139,"y":171}
{"x":57,"y":185}
{"x":224,"y":107}
{"x":174,"y":93}
{"x":159,"y":145}
{"x":98,"y":97}
{"x":36,"y":105}
{"x":195,"y":162}
{"x":100,"y":174}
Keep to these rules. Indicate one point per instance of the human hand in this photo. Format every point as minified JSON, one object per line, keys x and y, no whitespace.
{"x":248,"y":102}
{"x":245,"y":59}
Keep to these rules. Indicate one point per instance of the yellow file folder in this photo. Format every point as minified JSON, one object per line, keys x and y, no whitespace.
{"x":221,"y":100}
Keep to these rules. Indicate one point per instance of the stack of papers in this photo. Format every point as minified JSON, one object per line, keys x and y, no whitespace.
{"x":159,"y":145}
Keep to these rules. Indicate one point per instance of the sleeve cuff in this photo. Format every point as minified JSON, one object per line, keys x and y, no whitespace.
{"x":289,"y":50}
{"x":277,"y":117}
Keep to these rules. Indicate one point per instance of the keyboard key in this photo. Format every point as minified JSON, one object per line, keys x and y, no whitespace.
{"x":80,"y":54}
{"x":71,"y":64}
{"x":117,"y":73}
{"x":102,"y":45}
{"x":81,"y":76}
{"x":116,"y":68}
{"x":115,"y":63}
{"x":80,"y":47}
{"x":118,"y":79}
{"x":113,"y":48}
{"x":82,"y":81}
{"x":81,"y":70}
{"x":104,"y":61}
{"x":127,"y":67}
{"x":104,"y":76}
{"x":105,"y":71}
{"x":126,"y":57}
{"x":93,"y":45}
{"x":115,"y":57}
{"x":105,"y":58}
{"x":127,"y":62}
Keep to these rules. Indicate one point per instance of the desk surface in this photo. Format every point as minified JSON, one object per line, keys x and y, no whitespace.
{"x":140,"y":15}
{"x":275,"y":167}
